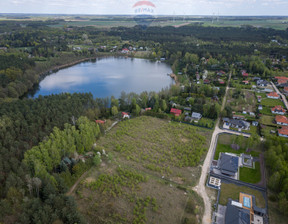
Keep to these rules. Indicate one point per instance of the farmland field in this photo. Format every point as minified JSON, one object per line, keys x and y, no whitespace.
{"x":155,"y":163}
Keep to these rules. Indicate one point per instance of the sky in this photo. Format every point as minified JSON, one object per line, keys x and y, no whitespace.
{"x":162,"y":7}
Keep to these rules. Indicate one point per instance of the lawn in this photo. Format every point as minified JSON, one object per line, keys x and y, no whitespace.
{"x":271,"y":102}
{"x":155,"y":163}
{"x":232,"y":191}
{"x":267,"y":120}
{"x":227,"y":148}
{"x":266,"y":111}
{"x":252,"y":176}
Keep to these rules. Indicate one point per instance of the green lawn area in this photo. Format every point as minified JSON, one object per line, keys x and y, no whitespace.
{"x":263,"y":95}
{"x":267,"y":120}
{"x":253,"y":130}
{"x":227,"y":148}
{"x":232,"y":191}
{"x":266,"y":131}
{"x":271,"y":102}
{"x":266,"y":111}
{"x":249,"y":175}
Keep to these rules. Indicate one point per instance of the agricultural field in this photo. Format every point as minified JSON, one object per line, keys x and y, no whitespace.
{"x":154,"y":164}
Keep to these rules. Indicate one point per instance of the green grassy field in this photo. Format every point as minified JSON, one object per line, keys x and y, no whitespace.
{"x":271,"y":102}
{"x":232,"y":191}
{"x":249,"y":175}
{"x":154,"y":164}
{"x":268,"y":120}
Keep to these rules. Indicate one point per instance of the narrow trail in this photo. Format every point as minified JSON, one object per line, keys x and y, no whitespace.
{"x":70,"y":192}
{"x":200,"y":188}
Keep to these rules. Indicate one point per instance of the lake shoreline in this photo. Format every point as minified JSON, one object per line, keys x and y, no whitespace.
{"x":63,"y":83}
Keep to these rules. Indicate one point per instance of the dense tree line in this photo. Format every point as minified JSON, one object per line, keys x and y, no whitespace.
{"x":23,"y":124}
{"x":44,"y":158}
{"x":276,"y":158}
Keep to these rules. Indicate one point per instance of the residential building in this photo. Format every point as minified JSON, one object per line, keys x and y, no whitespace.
{"x":100,"y":122}
{"x":260,"y":107}
{"x":283,"y":132}
{"x":281,"y":120}
{"x":196,"y":116}
{"x":273,"y":95}
{"x":262,"y":83}
{"x":234,"y":123}
{"x":246,"y":82}
{"x":175,"y":111}
{"x":125,"y":115}
{"x":228,"y":164}
{"x":278,"y":110}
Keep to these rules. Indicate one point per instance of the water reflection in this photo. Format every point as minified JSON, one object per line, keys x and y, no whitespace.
{"x":108,"y":76}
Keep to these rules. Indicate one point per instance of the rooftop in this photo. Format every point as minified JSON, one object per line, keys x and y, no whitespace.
{"x":281,"y":119}
{"x":229,"y":163}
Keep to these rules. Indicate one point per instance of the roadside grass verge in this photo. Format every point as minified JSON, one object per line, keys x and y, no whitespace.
{"x":250,"y":175}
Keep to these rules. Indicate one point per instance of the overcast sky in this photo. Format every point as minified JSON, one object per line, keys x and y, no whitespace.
{"x":163,"y":7}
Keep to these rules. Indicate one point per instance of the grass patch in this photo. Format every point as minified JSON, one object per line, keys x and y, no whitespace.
{"x":271,"y":102}
{"x":232,"y":191}
{"x":266,"y":111}
{"x":227,"y":148}
{"x":249,"y":175}
{"x":267,"y":120}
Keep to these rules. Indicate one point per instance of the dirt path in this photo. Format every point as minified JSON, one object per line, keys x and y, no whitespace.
{"x":69,"y":193}
{"x":200,"y":188}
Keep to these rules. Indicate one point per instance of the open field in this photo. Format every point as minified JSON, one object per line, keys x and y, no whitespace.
{"x":155,"y":163}
{"x":232,"y":191}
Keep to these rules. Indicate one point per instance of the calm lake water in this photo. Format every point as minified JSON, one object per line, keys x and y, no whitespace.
{"x":106,"y":77}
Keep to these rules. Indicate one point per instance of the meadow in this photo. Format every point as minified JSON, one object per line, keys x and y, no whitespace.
{"x":154,"y":165}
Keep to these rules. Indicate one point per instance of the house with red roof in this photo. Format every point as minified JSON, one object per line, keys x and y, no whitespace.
{"x":283,"y":132}
{"x":100,"y":122}
{"x":245,"y":74}
{"x":285,"y":89}
{"x":246,"y":82}
{"x":148,"y":108}
{"x":125,"y":51}
{"x":278,"y":110}
{"x":125,"y":115}
{"x":273,"y":95}
{"x":176,"y":112}
{"x":281,"y":80}
{"x":281,"y":120}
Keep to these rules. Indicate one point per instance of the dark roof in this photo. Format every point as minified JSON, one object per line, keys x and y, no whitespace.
{"x":228,"y":163}
{"x":235,"y":215}
{"x":239,"y":123}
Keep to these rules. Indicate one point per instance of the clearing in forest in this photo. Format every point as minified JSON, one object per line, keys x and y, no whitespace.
{"x":155,"y":164}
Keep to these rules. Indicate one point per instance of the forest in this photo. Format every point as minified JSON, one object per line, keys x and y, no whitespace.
{"x":35,"y":134}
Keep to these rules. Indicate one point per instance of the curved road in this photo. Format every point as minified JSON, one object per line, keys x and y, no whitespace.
{"x":201,"y":187}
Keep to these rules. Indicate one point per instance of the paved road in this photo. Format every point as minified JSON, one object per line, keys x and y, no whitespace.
{"x":200,"y":188}
{"x":283,"y":97}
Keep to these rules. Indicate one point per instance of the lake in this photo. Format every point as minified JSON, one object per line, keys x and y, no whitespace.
{"x":106,"y":77}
